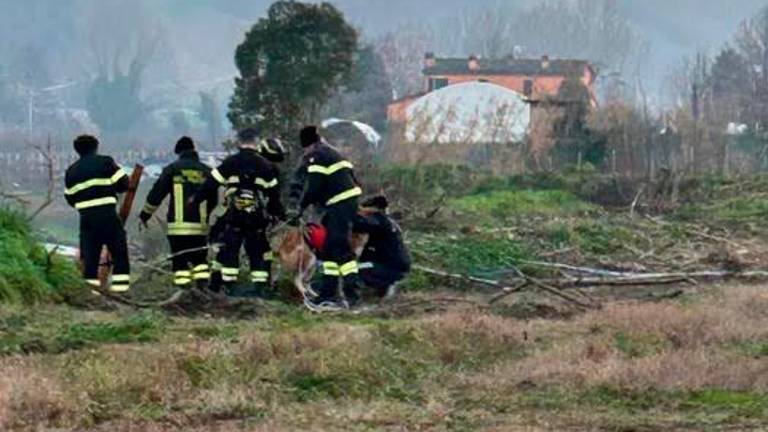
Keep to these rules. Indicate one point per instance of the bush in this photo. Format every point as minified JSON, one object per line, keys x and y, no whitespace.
{"x":27,"y":273}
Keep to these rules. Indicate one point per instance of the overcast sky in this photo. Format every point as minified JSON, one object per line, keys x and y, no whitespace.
{"x":674,"y":28}
{"x":206,"y":32}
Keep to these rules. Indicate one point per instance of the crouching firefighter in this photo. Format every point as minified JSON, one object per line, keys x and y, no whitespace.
{"x":92,"y":186}
{"x":326,"y":180}
{"x":385,"y":260}
{"x":252,"y":203}
{"x":187,"y":227}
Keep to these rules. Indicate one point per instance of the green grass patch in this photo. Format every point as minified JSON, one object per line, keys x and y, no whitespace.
{"x":730,"y":211}
{"x":143,"y":327}
{"x":505,"y":205}
{"x":637,"y":346}
{"x":711,"y":405}
{"x":475,"y":254}
{"x":49,"y":333}
{"x":753,"y":348}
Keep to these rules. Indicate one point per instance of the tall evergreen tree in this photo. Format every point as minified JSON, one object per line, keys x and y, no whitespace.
{"x":290,"y":63}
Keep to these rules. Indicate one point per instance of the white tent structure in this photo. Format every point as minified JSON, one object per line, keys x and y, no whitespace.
{"x":370,"y":134}
{"x":468,"y":113}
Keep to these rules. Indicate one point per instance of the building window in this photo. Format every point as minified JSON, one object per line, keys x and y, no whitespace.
{"x":437,"y":83}
{"x":528,"y":87}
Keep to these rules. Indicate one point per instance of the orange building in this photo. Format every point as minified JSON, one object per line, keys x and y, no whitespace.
{"x":535,"y":79}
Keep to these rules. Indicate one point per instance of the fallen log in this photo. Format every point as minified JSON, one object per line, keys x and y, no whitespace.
{"x":508,"y":290}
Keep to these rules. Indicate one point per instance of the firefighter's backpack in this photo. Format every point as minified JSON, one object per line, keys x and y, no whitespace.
{"x":247,"y":198}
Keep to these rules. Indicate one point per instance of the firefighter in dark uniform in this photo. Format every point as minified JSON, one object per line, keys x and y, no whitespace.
{"x":253,"y":203}
{"x":92,"y":185}
{"x":385,"y":260}
{"x":271,"y":149}
{"x":326,"y":180}
{"x":187,"y":228}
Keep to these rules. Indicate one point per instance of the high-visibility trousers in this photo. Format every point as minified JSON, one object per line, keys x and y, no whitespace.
{"x":189,"y":260}
{"x":99,"y":227}
{"x":257,"y":247}
{"x":338,"y":258}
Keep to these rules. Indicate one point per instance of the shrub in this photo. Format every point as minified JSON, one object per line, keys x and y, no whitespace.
{"x":28,"y":274}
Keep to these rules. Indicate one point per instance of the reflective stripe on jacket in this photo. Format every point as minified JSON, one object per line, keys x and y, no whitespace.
{"x":324,"y":178}
{"x":94,"y":181}
{"x":182,"y":180}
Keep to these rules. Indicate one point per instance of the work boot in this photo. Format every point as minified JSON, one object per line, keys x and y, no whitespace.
{"x":352,"y":290}
{"x":215,"y":283}
{"x":391,"y":292}
{"x":263,"y":291}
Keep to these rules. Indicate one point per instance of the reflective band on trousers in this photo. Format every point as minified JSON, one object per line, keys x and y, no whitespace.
{"x":328,"y":170}
{"x":187,"y":229}
{"x":120,"y":283}
{"x":96,"y":182}
{"x":96,"y":202}
{"x":259,"y":276}
{"x":351,"y":193}
{"x":230,"y":274}
{"x":331,"y":269}
{"x":149,"y":208}
{"x":348,"y":268}
{"x":93,"y":282}
{"x":182,"y":281}
{"x":119,"y":288}
{"x":201,"y":272}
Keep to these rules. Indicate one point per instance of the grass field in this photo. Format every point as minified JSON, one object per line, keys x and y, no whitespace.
{"x":440,"y":359}
{"x":696,"y":363}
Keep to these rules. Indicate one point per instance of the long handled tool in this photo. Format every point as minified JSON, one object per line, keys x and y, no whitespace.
{"x":105,"y":262}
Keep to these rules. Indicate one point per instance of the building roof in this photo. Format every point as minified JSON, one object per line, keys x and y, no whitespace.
{"x":530,"y":67}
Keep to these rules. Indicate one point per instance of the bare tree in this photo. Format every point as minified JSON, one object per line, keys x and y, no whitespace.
{"x":402,"y":51}
{"x":124,"y":40}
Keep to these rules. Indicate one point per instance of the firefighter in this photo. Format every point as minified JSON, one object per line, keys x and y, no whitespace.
{"x":187,"y":228}
{"x":252,"y":203}
{"x":92,"y":186}
{"x":385,"y":259}
{"x":327,"y":181}
{"x":271,"y":149}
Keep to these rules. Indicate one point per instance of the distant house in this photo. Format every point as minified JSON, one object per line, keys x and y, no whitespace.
{"x":548,"y":86}
{"x":535,"y":79}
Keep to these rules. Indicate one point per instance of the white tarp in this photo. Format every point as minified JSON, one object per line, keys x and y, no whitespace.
{"x":367,"y":130}
{"x":471,"y":113}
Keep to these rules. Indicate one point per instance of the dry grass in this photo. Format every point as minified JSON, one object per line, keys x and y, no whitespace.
{"x":456,"y":370}
{"x":658,"y":346}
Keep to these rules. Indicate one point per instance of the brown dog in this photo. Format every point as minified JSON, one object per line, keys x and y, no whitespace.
{"x":297,"y":258}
